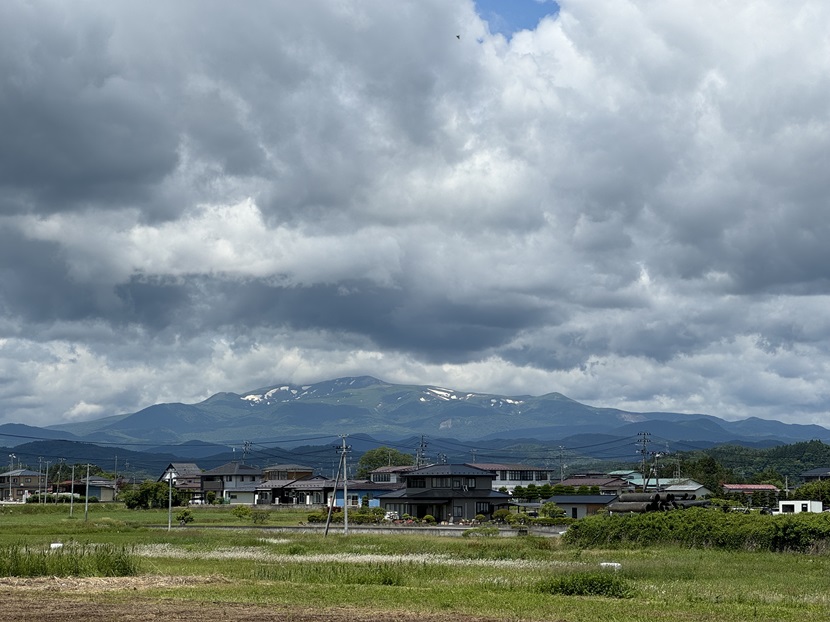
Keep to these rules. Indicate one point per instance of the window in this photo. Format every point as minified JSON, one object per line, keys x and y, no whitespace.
{"x":803,"y":507}
{"x":482,"y":507}
{"x":381,"y":477}
{"x":456,"y":484}
{"x":416,"y":482}
{"x":458,"y":511}
{"x":441,"y":482}
{"x":471,"y":482}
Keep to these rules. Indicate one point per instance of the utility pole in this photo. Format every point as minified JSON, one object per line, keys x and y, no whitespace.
{"x":643,"y":442}
{"x":344,"y":451}
{"x":11,"y":468}
{"x":39,"y":478}
{"x":341,"y":468}
{"x":86,"y":500}
{"x":58,"y":484}
{"x":72,"y":493}
{"x":420,"y":453}
{"x":115,"y":496}
{"x":169,"y":500}
{"x":46,"y":481}
{"x":561,"y":463}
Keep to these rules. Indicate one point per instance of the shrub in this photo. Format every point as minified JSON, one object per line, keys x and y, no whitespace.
{"x":429,"y":519}
{"x":260,"y":517}
{"x":587,"y":584}
{"x":184,"y":516}
{"x":242,"y":512}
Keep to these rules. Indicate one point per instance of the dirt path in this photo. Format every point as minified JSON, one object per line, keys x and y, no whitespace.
{"x":57,"y":599}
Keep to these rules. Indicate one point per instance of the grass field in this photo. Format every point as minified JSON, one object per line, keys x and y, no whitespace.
{"x":488,"y":577}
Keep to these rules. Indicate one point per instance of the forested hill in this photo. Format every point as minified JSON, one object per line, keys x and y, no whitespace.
{"x":779,"y":465}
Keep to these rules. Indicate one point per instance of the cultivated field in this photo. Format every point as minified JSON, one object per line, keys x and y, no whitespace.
{"x":250,"y":572}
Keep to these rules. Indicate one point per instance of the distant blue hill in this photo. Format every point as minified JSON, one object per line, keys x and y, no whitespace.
{"x":365,"y":405}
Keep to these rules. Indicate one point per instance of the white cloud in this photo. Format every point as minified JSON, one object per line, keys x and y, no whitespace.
{"x":625,"y":205}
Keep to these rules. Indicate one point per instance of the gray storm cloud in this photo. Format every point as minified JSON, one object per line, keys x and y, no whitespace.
{"x":625,"y":204}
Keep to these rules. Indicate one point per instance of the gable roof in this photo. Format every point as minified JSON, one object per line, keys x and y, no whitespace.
{"x":502,"y":466}
{"x":449,"y":469}
{"x":750,"y":488}
{"x":234,"y":468}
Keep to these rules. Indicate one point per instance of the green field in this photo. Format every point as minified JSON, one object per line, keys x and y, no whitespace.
{"x":518,"y":578}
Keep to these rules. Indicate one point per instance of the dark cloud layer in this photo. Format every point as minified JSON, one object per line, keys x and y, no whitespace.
{"x":625,"y":204}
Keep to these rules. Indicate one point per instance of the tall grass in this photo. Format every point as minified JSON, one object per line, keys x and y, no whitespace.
{"x":74,"y":560}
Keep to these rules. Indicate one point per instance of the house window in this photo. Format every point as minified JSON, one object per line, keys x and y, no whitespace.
{"x":381,"y":477}
{"x":456,"y":484}
{"x":416,"y":482}
{"x":482,"y":507}
{"x":458,"y":511}
{"x":441,"y":482}
{"x":503,"y":476}
{"x":514,"y":476}
{"x":471,"y":482}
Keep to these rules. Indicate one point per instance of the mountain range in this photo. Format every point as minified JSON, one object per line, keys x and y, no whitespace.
{"x":290,"y":414}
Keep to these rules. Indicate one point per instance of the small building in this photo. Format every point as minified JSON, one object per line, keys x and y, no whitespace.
{"x":580,"y":506}
{"x":756,"y":494}
{"x":96,"y":486}
{"x":607,"y":485}
{"x":688,"y":487}
{"x":797,"y":507}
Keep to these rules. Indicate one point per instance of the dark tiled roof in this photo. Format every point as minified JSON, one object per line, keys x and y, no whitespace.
{"x":498,"y":466}
{"x":234,"y":468}
{"x":820,"y":472}
{"x":448,"y":469}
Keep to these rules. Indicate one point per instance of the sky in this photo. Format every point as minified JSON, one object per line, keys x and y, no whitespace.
{"x":621,"y":201}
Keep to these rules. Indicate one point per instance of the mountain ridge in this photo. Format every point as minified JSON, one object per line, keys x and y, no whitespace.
{"x":367,"y":405}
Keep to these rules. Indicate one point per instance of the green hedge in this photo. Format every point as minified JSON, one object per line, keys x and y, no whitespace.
{"x":702,"y":528}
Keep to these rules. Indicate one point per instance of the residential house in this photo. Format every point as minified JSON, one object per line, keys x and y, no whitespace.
{"x":232,"y":482}
{"x":390,"y":474}
{"x":511,"y":475}
{"x":447,"y":492}
{"x":187,"y":479}
{"x":359,"y":490}
{"x":314,"y":490}
{"x":274,"y":487}
{"x":18,"y":484}
{"x":580,"y":506}
{"x":815,"y":475}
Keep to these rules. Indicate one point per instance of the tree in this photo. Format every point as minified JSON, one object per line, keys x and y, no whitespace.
{"x":151,"y":495}
{"x":815,"y":491}
{"x":380,"y":457}
{"x":551,"y":510}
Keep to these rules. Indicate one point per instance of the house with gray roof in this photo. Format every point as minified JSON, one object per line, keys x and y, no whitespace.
{"x":447,"y":492}
{"x":233,"y":482}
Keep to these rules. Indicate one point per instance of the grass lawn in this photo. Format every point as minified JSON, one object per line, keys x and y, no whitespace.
{"x":502,"y":578}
